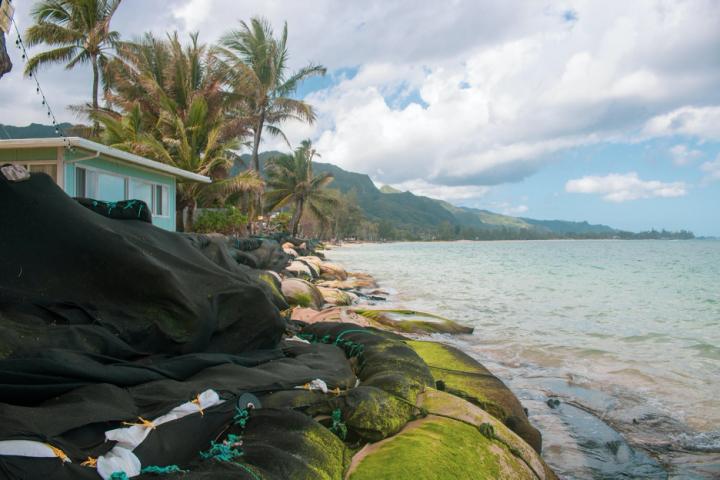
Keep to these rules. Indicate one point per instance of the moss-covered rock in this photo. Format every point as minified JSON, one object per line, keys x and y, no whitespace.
{"x":465,"y":377}
{"x":456,"y":440}
{"x":301,"y":293}
{"x":411,"y":321}
{"x":336,"y":297}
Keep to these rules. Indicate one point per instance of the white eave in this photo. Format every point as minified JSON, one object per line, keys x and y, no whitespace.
{"x":104,"y":150}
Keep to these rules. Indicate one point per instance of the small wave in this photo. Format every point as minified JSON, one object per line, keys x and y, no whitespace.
{"x":706,"y":350}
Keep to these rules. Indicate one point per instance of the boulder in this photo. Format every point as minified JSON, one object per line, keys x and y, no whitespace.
{"x":301,"y":293}
{"x":331,"y":271}
{"x":465,"y":377}
{"x":353,"y":281}
{"x":411,"y":321}
{"x":335,"y":314}
{"x":313,"y":264}
{"x":300,"y":270}
{"x":456,"y":440}
{"x":333,"y":296}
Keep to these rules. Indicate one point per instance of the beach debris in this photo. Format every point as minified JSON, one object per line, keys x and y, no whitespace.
{"x":317,"y":384}
{"x":15,"y":173}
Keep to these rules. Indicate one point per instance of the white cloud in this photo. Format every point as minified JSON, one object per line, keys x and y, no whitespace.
{"x":700,"y":122}
{"x":478,"y":94}
{"x":616,"y":187}
{"x":711,"y":169}
{"x":682,"y":155}
{"x":442,"y":192}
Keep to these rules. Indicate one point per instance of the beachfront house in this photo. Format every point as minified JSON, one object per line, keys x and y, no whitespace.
{"x":92,"y":170}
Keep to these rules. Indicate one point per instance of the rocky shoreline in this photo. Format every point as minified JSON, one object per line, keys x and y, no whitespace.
{"x":460,"y":393}
{"x":128,"y":351}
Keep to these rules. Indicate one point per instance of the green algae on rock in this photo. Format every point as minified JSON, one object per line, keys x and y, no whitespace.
{"x":302,"y":293}
{"x":464,"y":377}
{"x":456,"y":440}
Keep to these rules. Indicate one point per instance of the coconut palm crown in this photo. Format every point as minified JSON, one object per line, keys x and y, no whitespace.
{"x":290,"y":181}
{"x":79,"y":32}
{"x":256,"y":64}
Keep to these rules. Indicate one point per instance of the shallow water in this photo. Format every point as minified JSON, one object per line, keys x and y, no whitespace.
{"x":625,"y":334}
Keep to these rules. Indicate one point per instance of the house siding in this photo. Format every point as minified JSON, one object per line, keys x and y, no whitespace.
{"x":66,"y":179}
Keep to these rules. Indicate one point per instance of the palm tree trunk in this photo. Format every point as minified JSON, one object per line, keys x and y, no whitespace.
{"x":96,"y":79}
{"x":296,"y":217}
{"x":257,"y":135}
{"x":190,"y":218}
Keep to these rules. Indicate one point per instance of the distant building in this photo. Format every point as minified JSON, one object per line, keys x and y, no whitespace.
{"x":93,"y":170}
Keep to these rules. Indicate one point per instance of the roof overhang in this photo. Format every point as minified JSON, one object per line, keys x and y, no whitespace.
{"x":104,"y":150}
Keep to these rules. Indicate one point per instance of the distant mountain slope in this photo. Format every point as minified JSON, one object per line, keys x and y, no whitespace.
{"x":422,"y":215}
{"x":411,"y":214}
{"x":34,"y":130}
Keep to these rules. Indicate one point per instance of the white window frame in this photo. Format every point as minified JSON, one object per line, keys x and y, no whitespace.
{"x":128,"y":179}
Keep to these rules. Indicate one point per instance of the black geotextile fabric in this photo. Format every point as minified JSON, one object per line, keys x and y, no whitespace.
{"x":76,"y":422}
{"x":73,"y":279}
{"x":122,"y":210}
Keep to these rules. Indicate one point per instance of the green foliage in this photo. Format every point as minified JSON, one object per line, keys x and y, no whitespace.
{"x":255,"y":63}
{"x":291,"y":181}
{"x":79,"y":31}
{"x":280,"y":222}
{"x":229,"y":221}
{"x":173,"y":109}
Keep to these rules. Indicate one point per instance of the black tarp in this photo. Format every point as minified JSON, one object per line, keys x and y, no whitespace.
{"x":105,"y":321}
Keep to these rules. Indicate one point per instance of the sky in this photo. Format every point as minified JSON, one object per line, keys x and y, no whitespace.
{"x":605,"y":111}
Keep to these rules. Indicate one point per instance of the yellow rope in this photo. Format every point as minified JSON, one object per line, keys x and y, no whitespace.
{"x":141,"y":423}
{"x":197,"y":402}
{"x":90,"y":462}
{"x":58,"y":453}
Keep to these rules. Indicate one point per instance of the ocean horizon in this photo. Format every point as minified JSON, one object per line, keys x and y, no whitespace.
{"x":612,"y":345}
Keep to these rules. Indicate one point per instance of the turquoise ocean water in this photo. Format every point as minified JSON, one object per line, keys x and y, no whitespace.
{"x":626,"y":334}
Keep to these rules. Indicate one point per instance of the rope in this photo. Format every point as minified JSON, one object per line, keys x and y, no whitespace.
{"x":338,"y":426}
{"x":119,"y":476}
{"x":142,"y":423}
{"x":90,"y":462}
{"x":59,"y":453}
{"x":153,"y":469}
{"x":241,"y":416}
{"x":197,"y":402}
{"x":226,"y":451}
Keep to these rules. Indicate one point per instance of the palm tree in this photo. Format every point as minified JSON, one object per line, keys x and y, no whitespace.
{"x":80,"y":32}
{"x":173,"y":111}
{"x":255,"y":63}
{"x":290,"y":180}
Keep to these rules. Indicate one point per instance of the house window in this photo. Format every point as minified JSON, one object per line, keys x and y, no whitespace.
{"x":109,"y":187}
{"x":160,"y":201}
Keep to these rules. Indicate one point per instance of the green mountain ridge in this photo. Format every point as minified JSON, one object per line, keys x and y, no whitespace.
{"x":404,"y":215}
{"x":416,"y":216}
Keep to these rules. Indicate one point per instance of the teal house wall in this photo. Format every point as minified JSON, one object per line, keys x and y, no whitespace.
{"x":105,"y":173}
{"x":105,"y":164}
